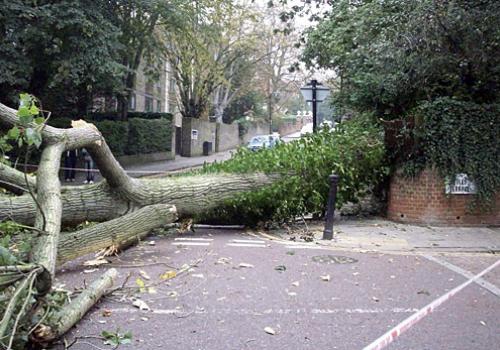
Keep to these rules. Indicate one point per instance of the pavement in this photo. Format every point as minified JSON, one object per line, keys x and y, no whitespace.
{"x":159,"y":168}
{"x":252,"y":289}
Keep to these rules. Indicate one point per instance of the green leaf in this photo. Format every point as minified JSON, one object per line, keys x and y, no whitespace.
{"x":14,"y":133}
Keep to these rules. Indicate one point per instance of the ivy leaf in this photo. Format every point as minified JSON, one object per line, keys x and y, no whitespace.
{"x":39,"y":120}
{"x":6,"y":258}
{"x":14,"y":133}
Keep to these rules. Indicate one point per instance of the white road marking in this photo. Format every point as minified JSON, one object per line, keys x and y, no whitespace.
{"x":246,"y":245}
{"x":247,"y":241}
{"x":193,"y":239}
{"x":190,"y":243}
{"x":245,"y":311}
{"x":409,"y":322}
{"x":467,"y":274}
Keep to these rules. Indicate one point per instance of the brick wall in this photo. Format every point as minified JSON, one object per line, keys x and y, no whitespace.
{"x":423,"y":201}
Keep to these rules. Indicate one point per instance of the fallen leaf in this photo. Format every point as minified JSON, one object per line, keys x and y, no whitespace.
{"x":172,"y":294}
{"x":144,"y":275}
{"x":106,"y":313}
{"x":375,"y":299}
{"x":483,"y":323}
{"x":152,"y":290}
{"x":295,"y":284}
{"x":245,"y":265}
{"x":168,"y":275}
{"x":140,"y":283}
{"x":144,"y":318}
{"x":269,"y":330}
{"x":325,"y":278}
{"x":223,"y":261}
{"x":141,"y":305}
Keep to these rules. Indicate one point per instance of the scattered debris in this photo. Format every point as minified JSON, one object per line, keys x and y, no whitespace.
{"x":245,"y":265}
{"x":423,"y":291}
{"x":223,"y":261}
{"x":151,"y":242}
{"x":141,"y":305}
{"x":375,"y":299}
{"x":106,"y":313}
{"x":280,"y":268}
{"x":96,"y":262}
{"x":144,"y":275}
{"x":325,"y":278}
{"x":90,"y":270}
{"x":295,"y":284}
{"x":269,"y":330}
{"x":168,"y":275}
{"x":197,"y":275}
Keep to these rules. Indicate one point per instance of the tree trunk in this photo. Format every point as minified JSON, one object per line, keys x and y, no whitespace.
{"x":131,"y":208}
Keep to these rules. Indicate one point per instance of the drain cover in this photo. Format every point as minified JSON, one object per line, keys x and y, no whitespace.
{"x":334,"y":259}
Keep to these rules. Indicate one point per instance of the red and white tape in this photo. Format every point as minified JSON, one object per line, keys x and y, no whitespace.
{"x":395,"y":332}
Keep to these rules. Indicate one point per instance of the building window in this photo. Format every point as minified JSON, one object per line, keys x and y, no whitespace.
{"x":158,"y":106}
{"x":131,"y":102}
{"x":148,"y":104}
{"x":171,"y":87}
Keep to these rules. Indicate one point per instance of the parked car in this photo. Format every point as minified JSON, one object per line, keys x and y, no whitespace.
{"x":263,"y":141}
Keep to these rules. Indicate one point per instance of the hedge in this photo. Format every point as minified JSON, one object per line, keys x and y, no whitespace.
{"x":135,"y":136}
{"x":149,"y":136}
{"x":130,"y":115}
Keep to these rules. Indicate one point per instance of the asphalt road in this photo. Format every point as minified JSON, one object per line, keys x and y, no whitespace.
{"x":310,"y":297}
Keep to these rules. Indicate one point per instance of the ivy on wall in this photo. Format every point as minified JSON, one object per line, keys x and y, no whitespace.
{"x":459,"y":137}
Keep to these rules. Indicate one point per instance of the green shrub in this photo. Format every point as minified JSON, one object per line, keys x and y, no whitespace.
{"x":354,"y":151}
{"x":149,"y":136}
{"x":460,"y":137}
{"x":116,"y":135}
{"x":98,"y":116}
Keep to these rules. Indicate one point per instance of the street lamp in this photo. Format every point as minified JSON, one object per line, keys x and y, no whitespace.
{"x":314,"y":92}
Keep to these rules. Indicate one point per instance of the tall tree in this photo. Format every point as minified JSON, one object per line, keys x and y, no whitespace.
{"x":63,"y":52}
{"x":391,"y":54}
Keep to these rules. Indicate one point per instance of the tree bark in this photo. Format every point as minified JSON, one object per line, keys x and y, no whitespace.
{"x":119,"y":232}
{"x":191,"y":195}
{"x":69,"y":315}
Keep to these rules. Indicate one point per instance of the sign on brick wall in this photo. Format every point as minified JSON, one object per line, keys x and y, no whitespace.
{"x":462,"y":185}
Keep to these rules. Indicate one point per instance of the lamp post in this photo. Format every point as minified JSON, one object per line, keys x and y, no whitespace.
{"x":314,"y":92}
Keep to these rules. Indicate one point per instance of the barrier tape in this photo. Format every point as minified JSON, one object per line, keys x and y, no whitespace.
{"x":395,"y":332}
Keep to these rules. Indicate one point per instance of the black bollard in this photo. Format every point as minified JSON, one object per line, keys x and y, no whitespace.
{"x":330,"y":209}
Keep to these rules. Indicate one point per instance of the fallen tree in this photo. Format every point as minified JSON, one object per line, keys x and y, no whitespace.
{"x":128,"y":209}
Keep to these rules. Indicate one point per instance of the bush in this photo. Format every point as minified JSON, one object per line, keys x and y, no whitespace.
{"x":149,"y":136}
{"x":116,"y":135}
{"x":354,"y":151}
{"x":460,"y":137}
{"x":130,"y":115}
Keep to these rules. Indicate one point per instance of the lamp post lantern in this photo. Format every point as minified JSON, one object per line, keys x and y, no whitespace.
{"x":314,"y":92}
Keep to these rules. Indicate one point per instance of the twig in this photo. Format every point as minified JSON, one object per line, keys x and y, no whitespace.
{"x":21,"y":312}
{"x":30,"y":191}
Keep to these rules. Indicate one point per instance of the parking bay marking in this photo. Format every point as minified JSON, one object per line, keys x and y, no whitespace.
{"x":467,"y":274}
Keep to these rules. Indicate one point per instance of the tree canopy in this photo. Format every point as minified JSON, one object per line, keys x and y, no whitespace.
{"x":391,"y":54}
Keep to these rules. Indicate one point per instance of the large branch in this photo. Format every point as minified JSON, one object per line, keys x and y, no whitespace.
{"x":70,"y":314}
{"x":118,"y":232}
{"x":191,"y":195}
